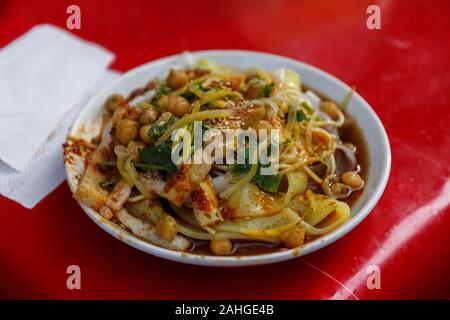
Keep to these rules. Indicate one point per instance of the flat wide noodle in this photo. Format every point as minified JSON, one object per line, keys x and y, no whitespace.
{"x":147,"y":231}
{"x":321,"y":214}
{"x":251,"y":201}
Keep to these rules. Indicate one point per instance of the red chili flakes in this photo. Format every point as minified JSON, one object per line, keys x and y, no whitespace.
{"x":200,"y":200}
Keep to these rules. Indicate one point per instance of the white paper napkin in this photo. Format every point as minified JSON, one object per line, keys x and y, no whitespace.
{"x":43,"y":74}
{"x":45,"y":171}
{"x":46,"y":76}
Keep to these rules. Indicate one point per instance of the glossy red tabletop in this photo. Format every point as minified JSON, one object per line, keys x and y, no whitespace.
{"x":402,"y":70}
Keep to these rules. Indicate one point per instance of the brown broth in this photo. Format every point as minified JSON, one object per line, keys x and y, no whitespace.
{"x":353,"y":135}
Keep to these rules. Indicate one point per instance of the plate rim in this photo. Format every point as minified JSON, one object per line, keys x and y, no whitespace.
{"x":251,"y":260}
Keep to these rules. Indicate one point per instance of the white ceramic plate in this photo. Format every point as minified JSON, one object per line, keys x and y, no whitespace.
{"x":88,"y":122}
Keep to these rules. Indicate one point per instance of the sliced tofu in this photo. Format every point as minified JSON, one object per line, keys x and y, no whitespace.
{"x":106,"y":212}
{"x":89,"y":191}
{"x":180,"y":184}
{"x":206,"y":204}
{"x":118,"y":195}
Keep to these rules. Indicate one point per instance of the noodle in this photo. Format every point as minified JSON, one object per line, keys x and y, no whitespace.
{"x":134,"y":177}
{"x":237,"y":186}
{"x":123,"y":172}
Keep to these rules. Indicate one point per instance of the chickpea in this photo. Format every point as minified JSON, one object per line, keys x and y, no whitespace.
{"x":118,"y":115}
{"x":127,"y":130}
{"x":163,"y":101}
{"x":148,"y":116}
{"x":133,"y":113}
{"x":330,"y":108}
{"x":352,"y":179}
{"x":144,"y":105}
{"x":233,"y":82}
{"x":284,"y":107}
{"x":293,"y":238}
{"x":253,"y":91}
{"x":167,"y":228}
{"x":134,"y":146}
{"x":177,"y":79}
{"x":165,"y":116}
{"x":114,"y":101}
{"x":221,"y":246}
{"x":143,"y":133}
{"x":338,"y":188}
{"x":321,"y":139}
{"x":179,"y":106}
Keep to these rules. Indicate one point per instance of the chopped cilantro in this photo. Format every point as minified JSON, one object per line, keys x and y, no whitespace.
{"x":189,"y":96}
{"x":161,"y":90}
{"x":301,"y":116}
{"x":237,"y":169}
{"x":107,"y":164}
{"x":265,"y":92}
{"x":207,"y":106}
{"x":112,"y":164}
{"x":109,"y":185}
{"x":269,"y":183}
{"x":205,"y":128}
{"x":158,"y":156}
{"x":158,"y":129}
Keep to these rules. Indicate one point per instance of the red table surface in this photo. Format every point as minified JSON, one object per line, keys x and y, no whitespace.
{"x":402,"y":70}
